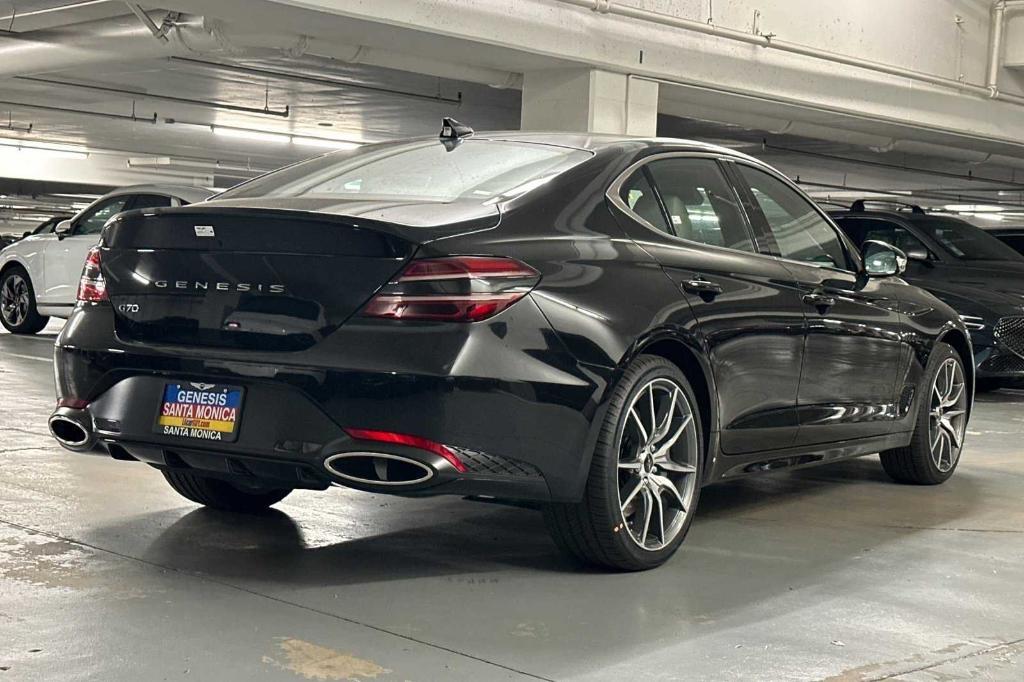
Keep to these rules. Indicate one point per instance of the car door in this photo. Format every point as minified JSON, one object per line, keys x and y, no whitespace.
{"x":65,"y":256}
{"x":687,"y":216}
{"x":854,"y":343}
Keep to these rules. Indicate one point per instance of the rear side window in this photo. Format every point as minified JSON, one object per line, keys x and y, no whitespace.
{"x":1015,"y":242}
{"x":638,"y":194}
{"x":800,"y":232}
{"x":150,"y":201}
{"x":699,"y":204}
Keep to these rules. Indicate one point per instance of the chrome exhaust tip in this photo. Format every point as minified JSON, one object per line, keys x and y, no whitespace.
{"x":378,"y":469}
{"x":72,"y":428}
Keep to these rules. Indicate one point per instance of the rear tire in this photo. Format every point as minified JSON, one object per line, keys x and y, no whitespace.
{"x":934,"y":450}
{"x":630,"y":519}
{"x":18,"y":311}
{"x":219,"y":494}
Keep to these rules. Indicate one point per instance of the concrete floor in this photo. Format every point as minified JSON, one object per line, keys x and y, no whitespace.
{"x":833,"y":573}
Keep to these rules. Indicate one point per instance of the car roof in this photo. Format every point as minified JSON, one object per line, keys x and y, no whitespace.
{"x":905,"y":216}
{"x":186,"y":193}
{"x":598,"y":141}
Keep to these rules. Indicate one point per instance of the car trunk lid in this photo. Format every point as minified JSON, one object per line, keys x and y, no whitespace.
{"x":249,"y":277}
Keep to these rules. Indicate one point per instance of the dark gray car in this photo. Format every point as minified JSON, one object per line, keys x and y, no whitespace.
{"x":976,"y":274}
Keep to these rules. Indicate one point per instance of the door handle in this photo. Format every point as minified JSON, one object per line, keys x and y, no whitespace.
{"x":820,"y":301}
{"x":702,"y":287}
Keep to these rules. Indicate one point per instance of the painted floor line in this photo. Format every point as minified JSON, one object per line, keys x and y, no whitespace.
{"x":28,"y":357}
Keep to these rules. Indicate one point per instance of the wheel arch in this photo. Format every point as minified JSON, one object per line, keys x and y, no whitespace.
{"x":685,"y":352}
{"x":13,"y":263}
{"x":962,"y":345}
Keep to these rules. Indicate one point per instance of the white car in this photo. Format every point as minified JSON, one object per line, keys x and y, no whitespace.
{"x":39,"y":274}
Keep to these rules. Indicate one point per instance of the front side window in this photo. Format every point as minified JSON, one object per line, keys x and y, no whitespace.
{"x":860,"y":230}
{"x":701,"y":206}
{"x":800,"y":232}
{"x":478,"y":170}
{"x":965,"y":241}
{"x":93,"y":221}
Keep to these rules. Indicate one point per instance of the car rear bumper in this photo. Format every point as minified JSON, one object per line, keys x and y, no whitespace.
{"x":505,"y":396}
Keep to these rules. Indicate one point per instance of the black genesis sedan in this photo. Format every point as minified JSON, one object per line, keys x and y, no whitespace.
{"x":599,"y":325}
{"x":978,"y":275}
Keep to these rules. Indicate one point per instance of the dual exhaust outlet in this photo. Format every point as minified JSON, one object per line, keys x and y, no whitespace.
{"x":73,"y":429}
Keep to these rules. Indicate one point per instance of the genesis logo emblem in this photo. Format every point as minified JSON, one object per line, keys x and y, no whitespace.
{"x":202,"y":387}
{"x":239,"y":287}
{"x":205,"y":231}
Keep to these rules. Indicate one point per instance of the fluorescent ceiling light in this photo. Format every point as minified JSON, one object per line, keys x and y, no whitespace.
{"x":324,"y":142}
{"x":986,"y":216}
{"x":251,"y":135}
{"x":53,"y":151}
{"x":48,"y":10}
{"x":973,"y":208}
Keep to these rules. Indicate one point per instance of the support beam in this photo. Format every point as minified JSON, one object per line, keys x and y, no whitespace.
{"x":589,"y":100}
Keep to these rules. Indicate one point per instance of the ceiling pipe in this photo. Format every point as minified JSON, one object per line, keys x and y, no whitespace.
{"x":82,"y":112}
{"x":1001,"y":10}
{"x":770,"y":41}
{"x":262,"y":111}
{"x":317,"y":80}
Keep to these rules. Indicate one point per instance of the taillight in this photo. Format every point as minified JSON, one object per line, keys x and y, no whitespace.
{"x":92,"y":288}
{"x":455,"y":289}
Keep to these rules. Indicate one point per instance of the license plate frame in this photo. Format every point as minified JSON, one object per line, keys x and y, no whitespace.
{"x":202,"y":416}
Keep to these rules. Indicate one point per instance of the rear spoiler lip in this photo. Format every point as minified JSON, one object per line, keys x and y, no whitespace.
{"x":414,"y":234}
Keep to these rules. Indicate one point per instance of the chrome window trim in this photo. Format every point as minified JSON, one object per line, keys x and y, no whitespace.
{"x":612,"y":194}
{"x":843,"y":239}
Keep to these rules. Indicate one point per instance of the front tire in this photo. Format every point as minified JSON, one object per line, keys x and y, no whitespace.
{"x":219,"y":494}
{"x":934,"y":450}
{"x":644,"y":480}
{"x":18,"y":311}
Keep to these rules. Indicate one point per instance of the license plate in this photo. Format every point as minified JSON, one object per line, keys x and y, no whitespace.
{"x":200,"y":411}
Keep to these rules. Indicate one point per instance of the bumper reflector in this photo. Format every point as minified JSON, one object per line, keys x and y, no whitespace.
{"x":411,"y":441}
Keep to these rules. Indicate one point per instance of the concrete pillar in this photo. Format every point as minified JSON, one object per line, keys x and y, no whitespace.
{"x":589,"y":100}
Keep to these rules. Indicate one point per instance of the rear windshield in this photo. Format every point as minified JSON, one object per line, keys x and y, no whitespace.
{"x":422,"y":171}
{"x":965,"y":241}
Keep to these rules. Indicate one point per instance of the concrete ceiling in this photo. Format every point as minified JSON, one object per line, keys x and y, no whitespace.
{"x":149,"y":117}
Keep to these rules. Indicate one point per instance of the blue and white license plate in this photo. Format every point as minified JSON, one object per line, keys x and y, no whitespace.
{"x":200,"y":411}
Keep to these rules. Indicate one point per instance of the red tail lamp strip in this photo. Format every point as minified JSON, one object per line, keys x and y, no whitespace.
{"x":411,"y":441}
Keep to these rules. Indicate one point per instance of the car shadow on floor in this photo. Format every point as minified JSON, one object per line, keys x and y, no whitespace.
{"x":461,"y":538}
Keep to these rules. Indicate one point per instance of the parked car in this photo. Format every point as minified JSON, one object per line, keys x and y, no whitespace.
{"x":1011,"y":236}
{"x":599,"y":324}
{"x":44,"y":227}
{"x":48,"y":225}
{"x":964,"y":266}
{"x":39,"y":274}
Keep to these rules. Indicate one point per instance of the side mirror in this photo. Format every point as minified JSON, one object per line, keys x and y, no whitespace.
{"x":882,"y":259}
{"x":63,"y":229}
{"x":28,"y":233}
{"x":917,"y":254}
